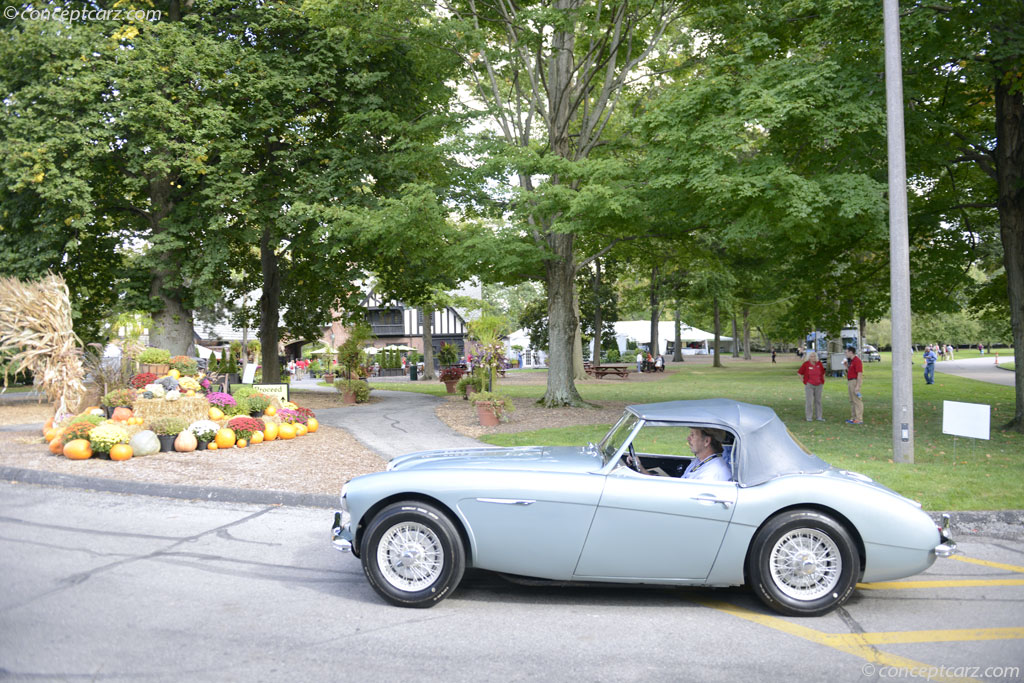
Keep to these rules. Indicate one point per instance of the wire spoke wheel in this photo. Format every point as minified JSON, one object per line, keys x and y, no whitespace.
{"x":805,"y":564}
{"x":410,"y":556}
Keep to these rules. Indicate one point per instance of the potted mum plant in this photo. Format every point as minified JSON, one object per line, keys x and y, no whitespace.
{"x":491,"y":408}
{"x":450,"y":377}
{"x":167,"y":430}
{"x":155,"y":360}
{"x":118,"y":398}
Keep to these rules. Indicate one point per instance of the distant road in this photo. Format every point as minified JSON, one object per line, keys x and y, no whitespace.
{"x":983,"y":369}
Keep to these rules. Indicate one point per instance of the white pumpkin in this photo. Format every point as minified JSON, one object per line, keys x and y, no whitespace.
{"x":157,"y":390}
{"x":145,"y":443}
{"x":172,"y":395}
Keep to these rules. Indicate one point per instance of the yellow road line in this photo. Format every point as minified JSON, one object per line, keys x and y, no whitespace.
{"x":855,"y":644}
{"x":939,"y":636}
{"x":986,"y":563}
{"x":951,"y":583}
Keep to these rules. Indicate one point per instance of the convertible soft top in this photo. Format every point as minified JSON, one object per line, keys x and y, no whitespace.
{"x":766,"y":448}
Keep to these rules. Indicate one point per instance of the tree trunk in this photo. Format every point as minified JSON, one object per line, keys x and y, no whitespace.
{"x":269,"y":305}
{"x":560,"y":274}
{"x":172,"y":324}
{"x":578,"y":372}
{"x":735,"y":337}
{"x":1010,"y":176}
{"x":746,"y":333}
{"x":653,"y":347}
{"x":677,"y":352}
{"x":862,"y":324}
{"x":428,"y":343}
{"x":718,"y":335}
{"x":596,"y":357}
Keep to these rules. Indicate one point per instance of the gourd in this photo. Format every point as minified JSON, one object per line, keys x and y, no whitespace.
{"x":145,"y":443}
{"x":270,"y":431}
{"x":186,"y":442}
{"x":312,"y":425}
{"x":172,"y":395}
{"x":121,"y":451}
{"x":286,"y":431}
{"x":78,"y":449}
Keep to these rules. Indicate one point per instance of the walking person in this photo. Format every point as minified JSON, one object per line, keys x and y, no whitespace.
{"x":813,"y":372}
{"x":949,"y":352}
{"x":929,"y":365}
{"x":773,"y":356}
{"x":854,"y":371}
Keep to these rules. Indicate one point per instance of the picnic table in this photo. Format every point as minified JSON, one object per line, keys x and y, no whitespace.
{"x":600,"y":371}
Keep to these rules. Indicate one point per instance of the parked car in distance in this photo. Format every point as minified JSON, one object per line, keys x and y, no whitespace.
{"x":871,"y":354}
{"x":799,"y":532}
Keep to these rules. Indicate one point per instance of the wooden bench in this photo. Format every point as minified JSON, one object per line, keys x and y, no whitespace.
{"x":601,"y":371}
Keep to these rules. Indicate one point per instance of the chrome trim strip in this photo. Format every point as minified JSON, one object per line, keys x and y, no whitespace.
{"x":507,"y":501}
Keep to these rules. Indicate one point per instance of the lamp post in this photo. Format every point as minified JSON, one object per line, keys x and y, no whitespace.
{"x":899,"y":248}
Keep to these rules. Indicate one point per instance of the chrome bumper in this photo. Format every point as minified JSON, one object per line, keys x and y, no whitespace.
{"x":341,"y":533}
{"x":947,"y":546}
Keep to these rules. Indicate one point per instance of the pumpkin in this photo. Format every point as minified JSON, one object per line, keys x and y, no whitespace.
{"x":121,"y":413}
{"x":120,"y":451}
{"x":270,"y":431}
{"x":191,"y":392}
{"x":225,"y":438}
{"x":48,"y":426}
{"x":145,"y":443}
{"x":241,"y":443}
{"x":312,"y":425}
{"x":301,"y":429}
{"x":57,"y":445}
{"x":173,"y":372}
{"x":212,"y":446}
{"x":286,"y":431}
{"x":271,"y":411}
{"x":50,"y":434}
{"x":98,"y":412}
{"x":257,"y":437}
{"x":186,"y":442}
{"x":216,"y":413}
{"x":78,"y":449}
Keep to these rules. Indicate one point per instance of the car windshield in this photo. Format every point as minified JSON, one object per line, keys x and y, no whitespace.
{"x":614,"y":439}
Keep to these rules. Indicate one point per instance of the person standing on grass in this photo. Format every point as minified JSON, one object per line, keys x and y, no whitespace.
{"x":773,"y":356}
{"x":813,"y":372}
{"x":639,"y":361}
{"x":854,"y":370}
{"x":929,"y":365}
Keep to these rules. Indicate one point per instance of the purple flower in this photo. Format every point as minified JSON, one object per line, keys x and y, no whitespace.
{"x":219,"y":398}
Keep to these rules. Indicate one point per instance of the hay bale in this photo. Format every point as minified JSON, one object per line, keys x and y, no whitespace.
{"x":189,"y":408}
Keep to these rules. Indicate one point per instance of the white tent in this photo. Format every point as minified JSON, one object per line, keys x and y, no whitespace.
{"x":640,"y":332}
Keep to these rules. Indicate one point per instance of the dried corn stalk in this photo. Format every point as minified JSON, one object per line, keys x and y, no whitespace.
{"x":35,"y":324}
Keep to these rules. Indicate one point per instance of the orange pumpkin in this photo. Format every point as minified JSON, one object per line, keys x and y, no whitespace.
{"x":48,"y":426}
{"x":121,"y":451}
{"x":271,"y":411}
{"x":241,"y":443}
{"x":301,"y":429}
{"x":78,"y":449}
{"x":270,"y":431}
{"x":212,"y":446}
{"x":121,"y":413}
{"x":286,"y":431}
{"x":56,"y":445}
{"x":225,"y":438}
{"x":313,"y":424}
{"x":185,"y":442}
{"x":50,"y":434}
{"x":257,"y":437}
{"x":216,"y":413}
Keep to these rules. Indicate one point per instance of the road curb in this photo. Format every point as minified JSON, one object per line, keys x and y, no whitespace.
{"x":182,"y":491}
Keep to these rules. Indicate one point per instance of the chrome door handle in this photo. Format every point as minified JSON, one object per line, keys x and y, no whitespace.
{"x":507,"y":501}
{"x":710,"y":498}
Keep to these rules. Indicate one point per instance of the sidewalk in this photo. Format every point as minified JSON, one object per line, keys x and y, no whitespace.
{"x":982,"y":369}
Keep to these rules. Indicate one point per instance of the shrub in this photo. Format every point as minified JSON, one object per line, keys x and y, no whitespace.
{"x":244,"y":427}
{"x":106,"y":435}
{"x":613,"y":355}
{"x":142,"y":379}
{"x":448,"y":354}
{"x":220,"y":399}
{"x":474,"y":380}
{"x":185,"y":365}
{"x":258,"y":402}
{"x":358,"y":387}
{"x":241,"y":391}
{"x":168,"y":426}
{"x":77,"y":430}
{"x":241,"y":407}
{"x":155,"y":356}
{"x":118,"y":397}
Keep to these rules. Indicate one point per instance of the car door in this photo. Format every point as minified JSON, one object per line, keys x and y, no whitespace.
{"x":656,"y":528}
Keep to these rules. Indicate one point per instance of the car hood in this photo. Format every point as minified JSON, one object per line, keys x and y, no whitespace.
{"x":532,"y":458}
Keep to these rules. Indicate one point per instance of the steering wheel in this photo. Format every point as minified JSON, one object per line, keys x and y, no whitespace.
{"x":632,"y":461}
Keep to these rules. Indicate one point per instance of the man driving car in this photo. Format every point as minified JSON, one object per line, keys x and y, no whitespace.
{"x":708,"y":462}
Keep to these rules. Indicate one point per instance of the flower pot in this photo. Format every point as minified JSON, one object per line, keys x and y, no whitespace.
{"x":450,"y":385}
{"x":100,"y":455}
{"x":108,"y":411}
{"x":201,"y":445}
{"x":329,"y":378}
{"x":348,"y":397}
{"x":256,"y":413}
{"x":166,"y":441}
{"x":486,"y":414}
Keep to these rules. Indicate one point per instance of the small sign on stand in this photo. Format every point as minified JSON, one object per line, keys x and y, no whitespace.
{"x":971,"y":420}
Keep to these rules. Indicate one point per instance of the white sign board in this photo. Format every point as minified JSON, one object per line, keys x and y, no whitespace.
{"x":966,"y":419}
{"x":249,"y":374}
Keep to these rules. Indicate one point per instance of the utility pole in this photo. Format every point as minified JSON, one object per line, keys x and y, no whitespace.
{"x":899,"y":245}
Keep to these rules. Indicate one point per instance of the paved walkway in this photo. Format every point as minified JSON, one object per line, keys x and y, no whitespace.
{"x":983,"y":369}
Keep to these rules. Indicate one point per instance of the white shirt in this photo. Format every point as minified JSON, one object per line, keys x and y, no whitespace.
{"x":712,"y":469}
{"x":639,"y":358}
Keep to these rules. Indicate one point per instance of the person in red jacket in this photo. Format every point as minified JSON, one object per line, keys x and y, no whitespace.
{"x":854,"y":370}
{"x":814,"y":384}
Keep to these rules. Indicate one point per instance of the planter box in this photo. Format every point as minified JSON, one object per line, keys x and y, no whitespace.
{"x":485,"y":413}
{"x":348,"y":397}
{"x":158,"y":370}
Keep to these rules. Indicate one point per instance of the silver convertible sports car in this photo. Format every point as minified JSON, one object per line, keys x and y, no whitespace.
{"x":799,"y":532}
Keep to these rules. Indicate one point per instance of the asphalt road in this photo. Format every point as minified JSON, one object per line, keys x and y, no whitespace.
{"x":101,"y":586}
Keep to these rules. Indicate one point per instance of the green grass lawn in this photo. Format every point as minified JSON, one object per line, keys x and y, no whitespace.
{"x":983,"y":475}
